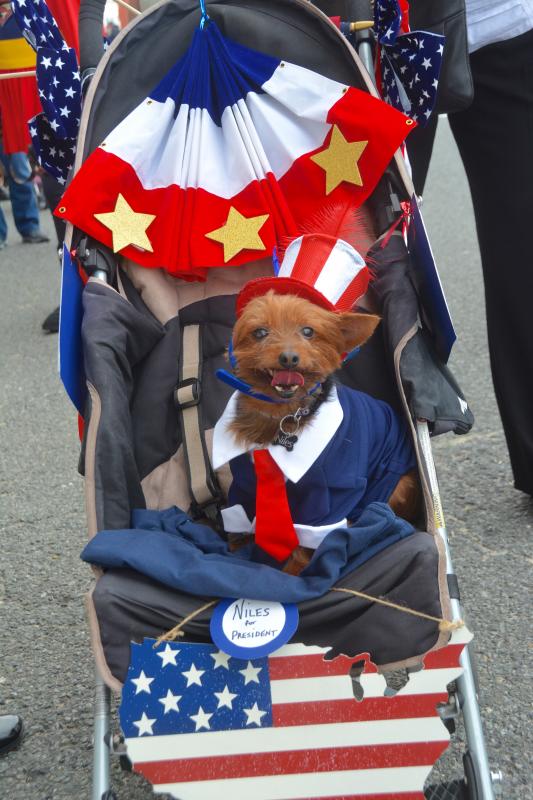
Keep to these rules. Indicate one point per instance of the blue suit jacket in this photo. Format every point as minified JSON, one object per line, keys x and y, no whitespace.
{"x":362,"y":462}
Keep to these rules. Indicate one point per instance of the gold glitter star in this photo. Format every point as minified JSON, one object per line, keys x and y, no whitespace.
{"x":127,"y":226}
{"x":239,"y":233}
{"x":340,"y":160}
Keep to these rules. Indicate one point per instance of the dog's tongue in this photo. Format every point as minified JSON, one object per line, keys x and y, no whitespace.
{"x":287,"y":378}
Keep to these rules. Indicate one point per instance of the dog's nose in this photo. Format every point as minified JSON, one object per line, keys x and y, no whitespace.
{"x":289,"y":359}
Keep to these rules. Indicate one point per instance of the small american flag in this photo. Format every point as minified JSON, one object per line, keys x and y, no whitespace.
{"x":410,"y":62}
{"x":54,"y":132}
{"x":201,"y":725}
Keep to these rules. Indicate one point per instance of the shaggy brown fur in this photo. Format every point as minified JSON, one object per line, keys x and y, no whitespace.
{"x":276,"y":330}
{"x":284,"y":317}
{"x":406,"y":499}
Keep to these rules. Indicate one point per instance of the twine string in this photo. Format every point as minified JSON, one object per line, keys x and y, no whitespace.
{"x":446,"y":625}
{"x":176,"y":631}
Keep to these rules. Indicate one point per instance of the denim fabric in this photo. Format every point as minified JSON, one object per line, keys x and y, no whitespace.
{"x":23,"y":201}
{"x":19,"y":166}
{"x":3,"y":227}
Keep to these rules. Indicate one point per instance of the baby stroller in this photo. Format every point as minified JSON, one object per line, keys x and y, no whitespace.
{"x":152,"y":344}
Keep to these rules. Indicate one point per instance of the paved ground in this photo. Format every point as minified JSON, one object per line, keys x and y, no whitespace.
{"x":45,"y":661}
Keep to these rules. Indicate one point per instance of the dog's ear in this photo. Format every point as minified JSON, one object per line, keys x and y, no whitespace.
{"x":355,"y":329}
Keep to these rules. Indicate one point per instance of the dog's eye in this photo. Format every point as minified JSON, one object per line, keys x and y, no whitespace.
{"x":260,"y":333}
{"x":307,"y":332}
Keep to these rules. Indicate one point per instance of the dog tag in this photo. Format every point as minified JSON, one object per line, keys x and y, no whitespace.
{"x":286,"y":440}
{"x":252,"y":628}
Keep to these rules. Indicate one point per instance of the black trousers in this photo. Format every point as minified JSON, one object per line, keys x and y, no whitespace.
{"x":495,"y":140}
{"x":53,"y":191}
{"x":130,"y":606}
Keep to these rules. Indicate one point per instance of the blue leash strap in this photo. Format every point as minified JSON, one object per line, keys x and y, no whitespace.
{"x":231,"y":355}
{"x":350,"y":355}
{"x":241,"y":386}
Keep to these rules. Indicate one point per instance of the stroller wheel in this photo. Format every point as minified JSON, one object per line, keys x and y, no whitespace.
{"x":472,"y":783}
{"x":454,"y":790}
{"x":125,"y":764}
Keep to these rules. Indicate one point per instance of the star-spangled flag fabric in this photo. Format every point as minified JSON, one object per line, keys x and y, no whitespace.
{"x":200,"y":725}
{"x":409,"y":63}
{"x":391,"y":18}
{"x":232,"y":151}
{"x":55,"y":130}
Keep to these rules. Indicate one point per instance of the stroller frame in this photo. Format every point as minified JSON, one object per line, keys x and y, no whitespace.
{"x":479,"y":779}
{"x":462,"y":700}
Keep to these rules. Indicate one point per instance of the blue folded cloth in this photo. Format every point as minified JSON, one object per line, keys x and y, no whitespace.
{"x":169,"y":547}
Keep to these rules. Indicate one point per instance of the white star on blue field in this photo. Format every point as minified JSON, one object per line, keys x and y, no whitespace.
{"x":193,"y":688}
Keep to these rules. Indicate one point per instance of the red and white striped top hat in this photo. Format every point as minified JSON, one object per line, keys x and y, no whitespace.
{"x":327,"y":271}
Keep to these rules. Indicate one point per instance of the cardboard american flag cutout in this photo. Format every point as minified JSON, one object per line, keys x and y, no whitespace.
{"x":201,"y":725}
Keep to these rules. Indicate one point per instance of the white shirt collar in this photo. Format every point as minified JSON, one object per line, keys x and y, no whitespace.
{"x":313,"y":439}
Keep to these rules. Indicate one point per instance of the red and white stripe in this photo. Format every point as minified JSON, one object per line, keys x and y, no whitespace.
{"x":323,"y":743}
{"x":332,"y":266}
{"x":264,"y":138}
{"x":188,"y":172}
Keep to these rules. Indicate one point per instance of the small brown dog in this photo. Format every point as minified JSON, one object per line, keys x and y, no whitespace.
{"x":287,"y":348}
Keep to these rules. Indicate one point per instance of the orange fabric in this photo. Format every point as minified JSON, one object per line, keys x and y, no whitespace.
{"x":274,"y":529}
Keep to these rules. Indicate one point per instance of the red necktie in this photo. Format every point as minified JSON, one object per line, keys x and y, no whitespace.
{"x":274,"y":529}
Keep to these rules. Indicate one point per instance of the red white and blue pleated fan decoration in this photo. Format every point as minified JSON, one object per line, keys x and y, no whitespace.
{"x":229,"y":155}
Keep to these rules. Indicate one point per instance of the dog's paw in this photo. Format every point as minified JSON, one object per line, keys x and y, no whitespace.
{"x":298,"y":561}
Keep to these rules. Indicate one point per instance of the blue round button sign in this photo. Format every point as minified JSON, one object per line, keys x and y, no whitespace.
{"x":252,"y":628}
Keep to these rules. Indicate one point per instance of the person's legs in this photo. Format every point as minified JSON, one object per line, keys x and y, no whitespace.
{"x":53,"y":191}
{"x":24,"y":205}
{"x":495,"y":139}
{"x":23,"y":200}
{"x":19,"y":167}
{"x":3,"y":228}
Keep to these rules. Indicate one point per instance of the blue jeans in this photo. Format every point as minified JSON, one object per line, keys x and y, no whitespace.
{"x":23,"y":201}
{"x":3,"y":226}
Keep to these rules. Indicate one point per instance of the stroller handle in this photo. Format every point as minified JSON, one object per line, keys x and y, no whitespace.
{"x":92,"y":14}
{"x":90,"y":23}
{"x":91,"y":17}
